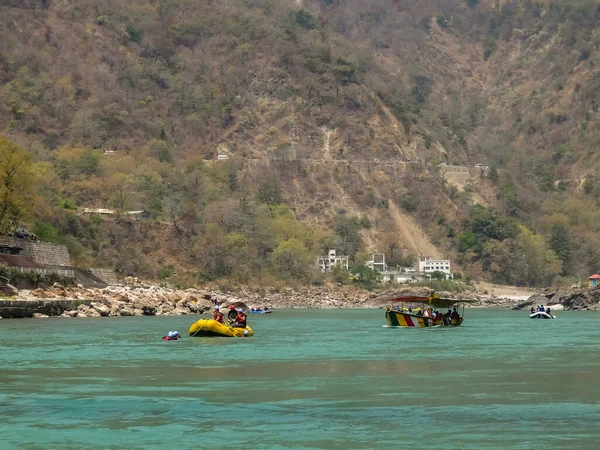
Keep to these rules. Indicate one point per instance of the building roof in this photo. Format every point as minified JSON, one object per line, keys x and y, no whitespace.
{"x":19,"y":261}
{"x":594,"y":277}
{"x":109,"y":211}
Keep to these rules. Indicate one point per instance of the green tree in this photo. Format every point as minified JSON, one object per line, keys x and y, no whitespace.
{"x":269,"y":191}
{"x":89,"y":162}
{"x":305,"y":19}
{"x":348,"y":231}
{"x":365,"y":275}
{"x":17,"y":185}
{"x":291,"y":259}
{"x":560,"y":243}
{"x":437,"y":275}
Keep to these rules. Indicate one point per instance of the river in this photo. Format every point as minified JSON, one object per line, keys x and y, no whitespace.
{"x":332,"y":379}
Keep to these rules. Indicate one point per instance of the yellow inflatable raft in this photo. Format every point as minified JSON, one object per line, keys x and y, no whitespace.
{"x":210,"y":327}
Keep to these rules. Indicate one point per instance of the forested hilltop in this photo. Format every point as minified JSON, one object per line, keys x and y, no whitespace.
{"x":349,"y":125}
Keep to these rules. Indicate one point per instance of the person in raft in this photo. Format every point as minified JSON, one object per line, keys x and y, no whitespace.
{"x":240,"y":319}
{"x":232,"y":314}
{"x":172,"y":336}
{"x":218,"y":315}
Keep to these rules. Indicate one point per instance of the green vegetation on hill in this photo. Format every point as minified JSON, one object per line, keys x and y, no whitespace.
{"x":126,"y":104}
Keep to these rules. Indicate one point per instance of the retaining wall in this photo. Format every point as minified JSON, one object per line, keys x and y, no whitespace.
{"x":18,"y":309}
{"x":107,"y":275}
{"x":42,"y":253}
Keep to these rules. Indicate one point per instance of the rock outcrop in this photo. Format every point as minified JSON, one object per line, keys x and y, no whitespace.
{"x":571,"y":299}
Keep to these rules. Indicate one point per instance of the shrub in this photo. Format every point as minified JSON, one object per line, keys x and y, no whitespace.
{"x":305,"y":19}
{"x":409,"y":203}
{"x":443,"y":20}
{"x":68,"y":204}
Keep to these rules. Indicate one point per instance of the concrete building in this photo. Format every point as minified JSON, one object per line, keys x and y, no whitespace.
{"x":377,"y":262}
{"x":428,"y":265}
{"x":328,"y":262}
{"x":401,"y":277}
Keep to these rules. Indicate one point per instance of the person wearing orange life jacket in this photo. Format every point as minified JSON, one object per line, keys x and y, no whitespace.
{"x":218,"y":315}
{"x":240,"y":320}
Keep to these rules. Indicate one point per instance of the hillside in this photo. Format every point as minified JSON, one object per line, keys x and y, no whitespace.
{"x":335,"y":116}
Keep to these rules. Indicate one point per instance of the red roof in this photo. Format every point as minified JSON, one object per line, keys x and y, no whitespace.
{"x":594,"y":277}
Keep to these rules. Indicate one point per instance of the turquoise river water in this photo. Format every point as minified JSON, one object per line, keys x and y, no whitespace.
{"x":332,"y":379}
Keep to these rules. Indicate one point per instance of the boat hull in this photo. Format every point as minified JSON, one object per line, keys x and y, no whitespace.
{"x":541,"y":315}
{"x":212,"y":328}
{"x":402,"y":319}
{"x":268,"y":311}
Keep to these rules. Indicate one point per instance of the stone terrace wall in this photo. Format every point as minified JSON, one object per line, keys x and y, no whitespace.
{"x":27,"y":308}
{"x":107,"y":275}
{"x":42,"y":252}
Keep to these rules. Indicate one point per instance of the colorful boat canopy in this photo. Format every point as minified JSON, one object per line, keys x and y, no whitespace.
{"x":433,"y":300}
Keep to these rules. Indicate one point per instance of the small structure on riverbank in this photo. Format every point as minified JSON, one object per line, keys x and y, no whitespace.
{"x":594,"y":280}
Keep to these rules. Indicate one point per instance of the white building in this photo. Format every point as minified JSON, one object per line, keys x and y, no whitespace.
{"x":377,"y":262}
{"x":428,"y":265}
{"x":328,"y":262}
{"x":400,"y":277}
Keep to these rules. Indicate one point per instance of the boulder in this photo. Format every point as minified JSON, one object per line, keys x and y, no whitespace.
{"x":100,"y":308}
{"x":127,"y":312}
{"x":182,"y":304}
{"x":148,"y":310}
{"x":238,"y":304}
{"x":42,"y":316}
{"x":73,"y":313}
{"x":92,"y":313}
{"x":174,"y":297}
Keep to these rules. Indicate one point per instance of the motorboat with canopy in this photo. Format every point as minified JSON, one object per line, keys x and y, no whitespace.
{"x":428,"y":311}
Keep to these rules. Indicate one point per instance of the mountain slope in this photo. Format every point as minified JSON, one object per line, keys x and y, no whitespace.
{"x":342,"y":109}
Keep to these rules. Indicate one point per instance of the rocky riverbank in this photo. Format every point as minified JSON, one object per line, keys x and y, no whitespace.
{"x":153,"y":300}
{"x":574,"y":298}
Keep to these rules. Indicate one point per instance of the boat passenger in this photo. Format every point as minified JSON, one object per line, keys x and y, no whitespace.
{"x":232,"y":314}
{"x":541,"y":308}
{"x":548,"y":311}
{"x":218,"y":315}
{"x":426,"y":313}
{"x":532,"y":310}
{"x":240,"y":320}
{"x":454,"y":314}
